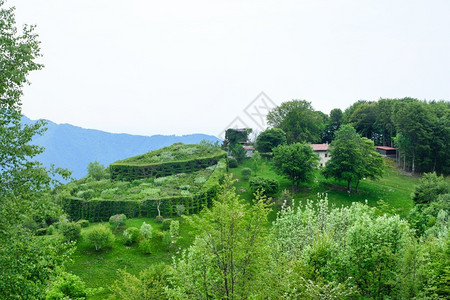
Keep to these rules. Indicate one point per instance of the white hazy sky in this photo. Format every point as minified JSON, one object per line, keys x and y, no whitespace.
{"x":178,"y":67}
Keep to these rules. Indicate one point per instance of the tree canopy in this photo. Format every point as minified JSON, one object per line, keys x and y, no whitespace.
{"x":353,"y":158}
{"x":27,"y":261}
{"x":299,"y":120}
{"x":296,"y":161}
{"x":269,"y":139}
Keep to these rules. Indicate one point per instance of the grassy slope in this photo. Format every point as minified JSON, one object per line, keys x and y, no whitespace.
{"x":98,"y":269}
{"x":394,"y":188}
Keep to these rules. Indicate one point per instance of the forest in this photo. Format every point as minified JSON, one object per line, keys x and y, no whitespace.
{"x":210,"y":221}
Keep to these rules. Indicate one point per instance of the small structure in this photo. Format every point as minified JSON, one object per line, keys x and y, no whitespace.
{"x":248,"y":150}
{"x":386,"y":151}
{"x":322,"y":151}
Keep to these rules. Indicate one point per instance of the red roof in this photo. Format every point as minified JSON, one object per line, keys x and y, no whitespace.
{"x":248,"y":148}
{"x":320,"y":147}
{"x":385,"y":148}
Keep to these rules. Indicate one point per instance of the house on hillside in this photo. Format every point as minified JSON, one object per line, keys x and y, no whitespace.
{"x":249,"y":150}
{"x":322,"y":151}
{"x":386,"y":151}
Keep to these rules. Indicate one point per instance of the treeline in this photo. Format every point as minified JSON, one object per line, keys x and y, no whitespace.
{"x":420,"y":130}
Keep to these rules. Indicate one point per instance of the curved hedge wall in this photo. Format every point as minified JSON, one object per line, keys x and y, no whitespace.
{"x":100,"y":209}
{"x":128,"y":172}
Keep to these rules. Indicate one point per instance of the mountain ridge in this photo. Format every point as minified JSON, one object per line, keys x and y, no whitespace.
{"x":73,"y":147}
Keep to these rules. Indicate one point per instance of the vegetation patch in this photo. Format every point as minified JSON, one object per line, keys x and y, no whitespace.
{"x":99,"y":200}
{"x":175,"y":159}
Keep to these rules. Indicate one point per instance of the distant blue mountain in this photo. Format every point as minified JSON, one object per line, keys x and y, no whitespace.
{"x":73,"y":147}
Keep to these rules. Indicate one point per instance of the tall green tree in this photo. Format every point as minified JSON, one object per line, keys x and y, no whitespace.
{"x":299,"y":120}
{"x":27,"y":261}
{"x":345,"y":155}
{"x":230,"y":257}
{"x":269,"y":139}
{"x":371,"y":164}
{"x":333,"y":124}
{"x":353,"y":158}
{"x":296,"y":161}
{"x":414,"y":123}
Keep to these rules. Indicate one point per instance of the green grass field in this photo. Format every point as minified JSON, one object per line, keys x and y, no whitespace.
{"x":99,"y":269}
{"x":393,"y":188}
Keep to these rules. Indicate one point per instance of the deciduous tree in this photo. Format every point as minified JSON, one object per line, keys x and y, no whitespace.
{"x":27,"y":262}
{"x":296,"y":161}
{"x":299,"y":120}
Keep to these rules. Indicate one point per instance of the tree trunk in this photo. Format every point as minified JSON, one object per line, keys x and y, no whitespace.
{"x":413,"y":165}
{"x":357,"y":184}
{"x":349,"y":187}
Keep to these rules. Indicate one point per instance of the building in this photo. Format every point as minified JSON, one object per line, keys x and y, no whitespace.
{"x":322,"y":151}
{"x":249,"y":150}
{"x":386,"y":151}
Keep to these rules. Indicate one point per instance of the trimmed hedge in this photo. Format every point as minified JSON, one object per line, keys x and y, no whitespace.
{"x":130,"y":172}
{"x":96,"y":210}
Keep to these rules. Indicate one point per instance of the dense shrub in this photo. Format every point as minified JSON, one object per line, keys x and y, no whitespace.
{"x":429,"y":188}
{"x":146,"y":231}
{"x":246,"y":172}
{"x":181,"y":209}
{"x":70,"y":231}
{"x":232,"y":163}
{"x":100,"y":236}
{"x":83,"y":223}
{"x":166,"y":224}
{"x":159,"y":219}
{"x":67,"y":286}
{"x":167,"y":239}
{"x":174,"y":229}
{"x":131,"y":235}
{"x":145,"y":245}
{"x":41,"y":231}
{"x":51,"y":230}
{"x":284,"y":200}
{"x":118,"y":220}
{"x":270,"y":186}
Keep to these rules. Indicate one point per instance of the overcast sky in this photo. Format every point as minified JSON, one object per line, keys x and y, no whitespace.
{"x":178,"y":67}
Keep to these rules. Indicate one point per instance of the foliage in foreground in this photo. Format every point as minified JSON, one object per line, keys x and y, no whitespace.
{"x":27,"y":262}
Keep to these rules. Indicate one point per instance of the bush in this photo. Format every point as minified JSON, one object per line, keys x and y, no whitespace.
{"x":167,"y":239}
{"x":146,"y":231}
{"x":31,"y":225}
{"x":181,"y":209}
{"x":270,"y":186}
{"x":246,"y":172}
{"x":83,"y":223}
{"x":41,"y":231}
{"x":70,"y":230}
{"x":51,"y":230}
{"x":100,"y":236}
{"x":131,"y":235}
{"x":145,"y":246}
{"x":67,"y":286}
{"x":284,"y":200}
{"x":429,"y":188}
{"x":174,"y":228}
{"x":166,"y":224}
{"x":232,"y":163}
{"x":159,"y":219}
{"x":118,"y":220}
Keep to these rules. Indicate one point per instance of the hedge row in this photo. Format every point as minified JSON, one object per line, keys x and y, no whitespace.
{"x":100,"y":210}
{"x":125,"y":172}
